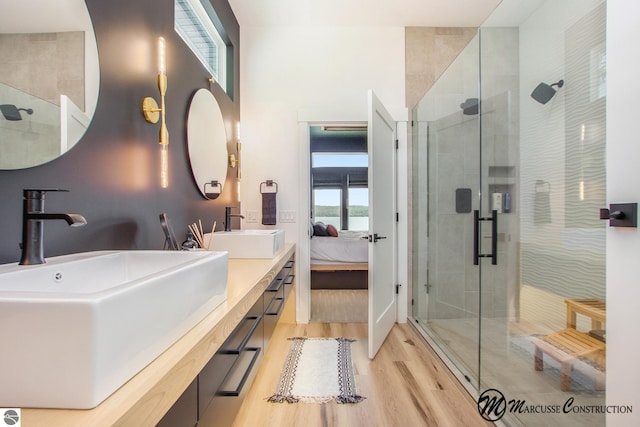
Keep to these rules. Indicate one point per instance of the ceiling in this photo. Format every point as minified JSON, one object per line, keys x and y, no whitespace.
{"x":403,"y":13}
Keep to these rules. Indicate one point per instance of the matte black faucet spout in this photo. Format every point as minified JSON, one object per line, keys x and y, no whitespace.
{"x":33,"y":216}
{"x":227,"y":218}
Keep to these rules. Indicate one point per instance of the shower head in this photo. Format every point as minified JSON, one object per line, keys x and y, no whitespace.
{"x":11,"y":112}
{"x":470,"y":107}
{"x":544,"y":92}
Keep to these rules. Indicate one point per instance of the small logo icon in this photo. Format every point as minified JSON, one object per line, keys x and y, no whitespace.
{"x":11,"y":417}
{"x":492,"y":405}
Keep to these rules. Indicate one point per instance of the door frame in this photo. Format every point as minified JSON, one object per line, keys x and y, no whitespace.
{"x":323,"y":116}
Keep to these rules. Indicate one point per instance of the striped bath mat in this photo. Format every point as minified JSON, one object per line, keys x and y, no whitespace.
{"x":317,"y":370}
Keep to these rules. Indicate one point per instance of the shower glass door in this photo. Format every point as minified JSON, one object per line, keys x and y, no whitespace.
{"x":446,"y":185}
{"x":517,"y":180}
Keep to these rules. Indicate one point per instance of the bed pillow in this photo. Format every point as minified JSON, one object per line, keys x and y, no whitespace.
{"x":310,"y":229}
{"x":331,"y":230}
{"x":319,"y":229}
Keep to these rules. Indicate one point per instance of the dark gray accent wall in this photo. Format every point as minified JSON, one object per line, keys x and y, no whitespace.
{"x":112,"y":174}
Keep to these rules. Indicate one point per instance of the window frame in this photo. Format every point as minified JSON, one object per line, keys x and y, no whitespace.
{"x":215,"y":36}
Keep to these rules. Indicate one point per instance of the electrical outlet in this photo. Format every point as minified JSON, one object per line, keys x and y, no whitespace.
{"x":251,"y":216}
{"x":287,"y":216}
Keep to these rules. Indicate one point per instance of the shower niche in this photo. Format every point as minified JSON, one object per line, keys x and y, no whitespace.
{"x":502,"y":182}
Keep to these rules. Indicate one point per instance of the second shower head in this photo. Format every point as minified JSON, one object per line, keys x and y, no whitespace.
{"x":544,"y":92}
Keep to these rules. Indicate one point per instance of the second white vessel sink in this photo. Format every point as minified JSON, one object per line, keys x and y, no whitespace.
{"x":248,"y":243}
{"x":77,"y":328}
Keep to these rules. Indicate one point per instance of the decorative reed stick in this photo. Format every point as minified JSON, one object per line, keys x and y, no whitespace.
{"x":196,"y":234}
{"x":211,"y":235}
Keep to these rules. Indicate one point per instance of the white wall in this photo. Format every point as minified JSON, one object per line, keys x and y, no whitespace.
{"x":288,"y":69}
{"x":623,"y":185}
{"x":292,"y":70}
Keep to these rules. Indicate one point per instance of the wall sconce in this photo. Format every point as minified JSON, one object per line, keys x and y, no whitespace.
{"x":153,"y":113}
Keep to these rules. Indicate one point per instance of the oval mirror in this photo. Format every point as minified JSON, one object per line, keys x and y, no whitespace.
{"x":49,"y":79}
{"x":207,"y":143}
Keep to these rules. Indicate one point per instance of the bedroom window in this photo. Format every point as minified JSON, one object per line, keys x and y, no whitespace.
{"x":327,"y":206}
{"x":196,"y":27}
{"x":343,"y":160}
{"x":358,"y":209}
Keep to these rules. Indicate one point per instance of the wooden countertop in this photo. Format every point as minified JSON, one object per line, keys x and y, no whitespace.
{"x":146,"y":397}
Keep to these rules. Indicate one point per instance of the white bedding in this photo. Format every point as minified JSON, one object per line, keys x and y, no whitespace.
{"x":349,"y":247}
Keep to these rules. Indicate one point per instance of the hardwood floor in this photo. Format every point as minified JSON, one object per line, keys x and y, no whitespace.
{"x":405,"y":385}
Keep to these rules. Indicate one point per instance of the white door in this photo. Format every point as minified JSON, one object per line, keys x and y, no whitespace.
{"x":382,"y":223}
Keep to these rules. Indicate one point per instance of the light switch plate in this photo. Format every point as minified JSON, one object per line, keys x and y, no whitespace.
{"x":287,"y":216}
{"x":251,"y":216}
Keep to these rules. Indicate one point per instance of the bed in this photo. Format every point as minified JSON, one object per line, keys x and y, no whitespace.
{"x":340,"y":262}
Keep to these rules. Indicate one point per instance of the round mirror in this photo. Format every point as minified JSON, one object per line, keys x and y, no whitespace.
{"x":207,"y":143}
{"x":49,"y":79}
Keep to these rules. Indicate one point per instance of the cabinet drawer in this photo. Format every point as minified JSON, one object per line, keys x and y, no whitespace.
{"x":241,"y":335}
{"x":224,"y":407}
{"x":235,"y":381}
{"x":248,"y":334}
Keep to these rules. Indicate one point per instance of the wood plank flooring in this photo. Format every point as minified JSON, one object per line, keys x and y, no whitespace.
{"x":406,"y":385}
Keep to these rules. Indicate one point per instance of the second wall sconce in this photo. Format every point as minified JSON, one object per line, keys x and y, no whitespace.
{"x":153,"y":113}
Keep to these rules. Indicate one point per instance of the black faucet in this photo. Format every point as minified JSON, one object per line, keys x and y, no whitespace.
{"x":227,"y":217}
{"x":33,"y":216}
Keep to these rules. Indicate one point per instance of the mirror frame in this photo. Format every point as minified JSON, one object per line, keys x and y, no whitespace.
{"x":207,"y":144}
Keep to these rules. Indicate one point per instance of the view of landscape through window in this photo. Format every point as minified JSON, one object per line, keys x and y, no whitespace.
{"x":327,"y":208}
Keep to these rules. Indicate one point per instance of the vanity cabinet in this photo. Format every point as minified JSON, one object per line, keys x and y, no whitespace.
{"x":185,"y":411}
{"x":215,"y":396}
{"x":225,"y":380}
{"x":275,"y":297}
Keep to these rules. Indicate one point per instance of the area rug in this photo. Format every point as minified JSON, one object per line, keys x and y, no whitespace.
{"x":317,"y":370}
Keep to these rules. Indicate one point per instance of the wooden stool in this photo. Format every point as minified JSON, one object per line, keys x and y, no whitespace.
{"x":567,"y":347}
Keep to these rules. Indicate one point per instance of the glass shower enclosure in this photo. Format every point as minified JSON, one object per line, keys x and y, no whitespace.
{"x":508,"y":176}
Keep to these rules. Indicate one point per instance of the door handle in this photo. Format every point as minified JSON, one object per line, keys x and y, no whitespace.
{"x":494,"y":237}
{"x":375,"y":237}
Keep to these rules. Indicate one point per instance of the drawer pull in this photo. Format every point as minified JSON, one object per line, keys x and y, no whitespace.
{"x":256,"y":321}
{"x":275,"y":286}
{"x":236,"y":392}
{"x":269,"y":311}
{"x":289,"y":279}
{"x":289,"y":264}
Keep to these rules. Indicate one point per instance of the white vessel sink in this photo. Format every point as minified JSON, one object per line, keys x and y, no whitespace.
{"x":75,"y":329}
{"x":248,"y":243}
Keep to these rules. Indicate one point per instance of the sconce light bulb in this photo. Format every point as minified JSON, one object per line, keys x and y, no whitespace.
{"x":238,"y":131}
{"x":164,"y":166}
{"x":162,"y":61}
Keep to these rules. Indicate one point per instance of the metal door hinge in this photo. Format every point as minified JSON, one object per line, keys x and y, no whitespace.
{"x":397,"y":216}
{"x":397,"y":144}
{"x":398,"y":289}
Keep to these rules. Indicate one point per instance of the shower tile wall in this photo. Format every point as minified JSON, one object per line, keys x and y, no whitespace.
{"x":453,"y":159}
{"x":562,"y":242}
{"x":57,"y":59}
{"x":429,"y":51}
{"x":500,"y":132}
